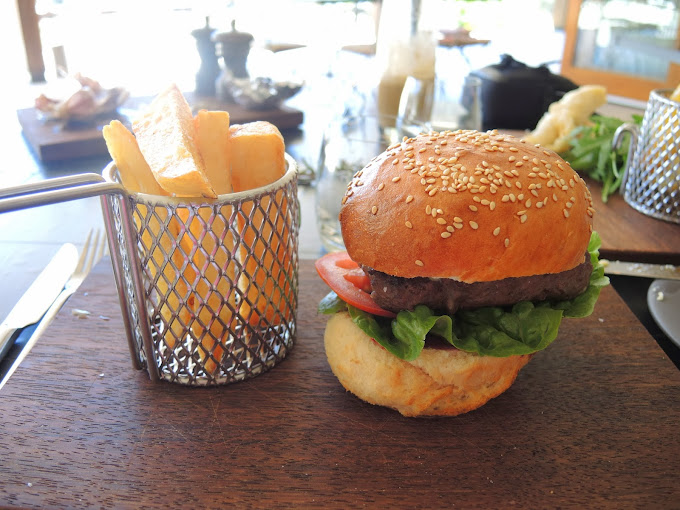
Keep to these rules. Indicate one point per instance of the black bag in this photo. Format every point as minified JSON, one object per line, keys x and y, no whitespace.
{"x":515,"y":96}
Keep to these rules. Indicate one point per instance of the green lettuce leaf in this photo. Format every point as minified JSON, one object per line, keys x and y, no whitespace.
{"x":331,"y":304}
{"x":524,"y":328}
{"x":584,"y":304}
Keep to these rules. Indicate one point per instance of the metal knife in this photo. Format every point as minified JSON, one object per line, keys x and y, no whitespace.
{"x":664,"y":271}
{"x":40,"y":295}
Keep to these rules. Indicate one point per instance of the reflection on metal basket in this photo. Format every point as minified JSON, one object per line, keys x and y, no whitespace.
{"x":652,"y":180}
{"x":208,"y":288}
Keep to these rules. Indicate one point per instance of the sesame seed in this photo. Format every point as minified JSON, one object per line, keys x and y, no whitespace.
{"x":419,"y":263}
{"x":445,"y":234}
{"x":492,"y":205}
{"x":409,"y":199}
{"x":428,"y":209}
{"x":374,"y":209}
{"x":344,"y":199}
{"x":473,"y":208}
{"x":432,"y":192}
{"x":496,"y":231}
{"x":523,"y":218}
{"x":456,"y":219}
{"x":474,"y":225}
{"x":569,"y":205}
{"x":566,"y":213}
{"x":450,"y":228}
{"x":408,"y":224}
{"x":507,"y":242}
{"x":381,"y":186}
{"x":527,"y":204}
{"x":395,"y":161}
{"x":441,"y":221}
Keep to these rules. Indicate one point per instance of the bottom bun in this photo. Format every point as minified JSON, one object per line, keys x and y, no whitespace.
{"x":440,"y":382}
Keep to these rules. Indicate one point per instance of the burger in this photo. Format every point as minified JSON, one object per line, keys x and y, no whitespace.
{"x":465,"y":250}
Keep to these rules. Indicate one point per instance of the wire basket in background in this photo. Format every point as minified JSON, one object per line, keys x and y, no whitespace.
{"x":651,"y":181}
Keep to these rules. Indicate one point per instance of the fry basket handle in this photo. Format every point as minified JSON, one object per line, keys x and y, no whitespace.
{"x":60,"y":189}
{"x":617,"y":140}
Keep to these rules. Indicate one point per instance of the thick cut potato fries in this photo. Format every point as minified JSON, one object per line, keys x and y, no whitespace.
{"x":214,"y":296}
{"x":165,"y":134}
{"x":137,"y":177}
{"x":258,"y":159}
{"x":133,"y":169}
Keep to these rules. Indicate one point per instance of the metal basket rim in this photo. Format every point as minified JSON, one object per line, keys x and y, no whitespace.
{"x":110,"y":170}
{"x":663,"y":96}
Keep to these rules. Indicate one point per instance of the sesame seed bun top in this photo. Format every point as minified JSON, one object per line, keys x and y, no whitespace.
{"x":467,"y":205}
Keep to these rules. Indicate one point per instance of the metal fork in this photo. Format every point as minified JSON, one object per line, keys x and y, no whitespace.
{"x":93,"y":250}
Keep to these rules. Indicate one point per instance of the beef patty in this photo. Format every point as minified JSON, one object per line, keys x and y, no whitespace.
{"x":445,"y":295}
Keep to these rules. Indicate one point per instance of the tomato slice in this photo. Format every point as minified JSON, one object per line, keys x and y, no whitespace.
{"x":349,"y":282}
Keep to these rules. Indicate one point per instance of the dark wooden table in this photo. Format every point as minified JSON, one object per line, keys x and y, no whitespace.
{"x":630,"y":235}
{"x":591,"y":422}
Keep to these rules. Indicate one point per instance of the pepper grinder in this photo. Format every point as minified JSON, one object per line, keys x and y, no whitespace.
{"x":210,"y":69}
{"x":234,"y":46}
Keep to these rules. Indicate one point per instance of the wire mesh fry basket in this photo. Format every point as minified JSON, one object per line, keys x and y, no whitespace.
{"x":208,"y":289}
{"x":651,"y":182}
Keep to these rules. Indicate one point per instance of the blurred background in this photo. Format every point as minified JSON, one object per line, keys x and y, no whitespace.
{"x":144,"y":44}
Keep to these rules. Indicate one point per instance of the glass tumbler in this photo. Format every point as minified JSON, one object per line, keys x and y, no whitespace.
{"x":347,"y":146}
{"x":456,"y":104}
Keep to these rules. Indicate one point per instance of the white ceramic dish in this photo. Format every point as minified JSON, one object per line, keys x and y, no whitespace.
{"x":663,"y":299}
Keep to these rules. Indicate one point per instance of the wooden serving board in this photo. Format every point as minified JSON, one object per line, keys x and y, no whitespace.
{"x":591,"y":422}
{"x":51,"y":141}
{"x":630,"y":235}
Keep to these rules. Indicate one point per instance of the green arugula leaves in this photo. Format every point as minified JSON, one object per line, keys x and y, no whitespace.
{"x":592,"y":154}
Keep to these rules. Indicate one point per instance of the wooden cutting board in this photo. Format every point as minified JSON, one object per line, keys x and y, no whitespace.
{"x":630,"y":235}
{"x":591,"y":422}
{"x":53,"y":141}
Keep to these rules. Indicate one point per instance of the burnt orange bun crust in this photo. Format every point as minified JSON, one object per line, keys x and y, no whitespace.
{"x":467,"y":205}
{"x":440,"y":382}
